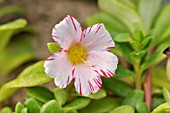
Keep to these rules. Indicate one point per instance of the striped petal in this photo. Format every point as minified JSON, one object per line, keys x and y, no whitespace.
{"x":97,"y":38}
{"x":86,"y":80}
{"x":67,"y":32}
{"x":59,"y":67}
{"x":104,"y":62}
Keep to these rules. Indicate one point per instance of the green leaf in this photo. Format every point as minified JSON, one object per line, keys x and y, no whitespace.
{"x":168,"y":69}
{"x":79,"y":103}
{"x":53,"y":47}
{"x":120,"y":88}
{"x":122,"y":37}
{"x":148,"y":10}
{"x":11,"y":9}
{"x":19,"y":107}
{"x":162,"y":25}
{"x":99,"y":95}
{"x":16,"y":24}
{"x":125,"y":14}
{"x":51,"y":107}
{"x":159,"y":78}
{"x":156,"y":102}
{"x":32,"y":105}
{"x":25,"y":110}
{"x":146,"y":42}
{"x":40,"y":93}
{"x":122,"y":72}
{"x":7,"y":30}
{"x":162,"y":108}
{"x":155,"y":56}
{"x":135,"y":45}
{"x":166,"y":94}
{"x":111,"y":23}
{"x":69,"y":110}
{"x":31,"y":76}
{"x":128,"y":3}
{"x":138,"y":54}
{"x":18,"y":52}
{"x":123,"y":109}
{"x":60,"y":95}
{"x":124,"y":50}
{"x":141,"y":107}
{"x":103,"y":105}
{"x":6,"y":110}
{"x":133,"y":98}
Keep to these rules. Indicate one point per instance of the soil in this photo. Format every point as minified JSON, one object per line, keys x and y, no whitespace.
{"x":43,"y":15}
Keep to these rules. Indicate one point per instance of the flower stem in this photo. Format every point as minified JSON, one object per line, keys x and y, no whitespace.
{"x":138,"y":75}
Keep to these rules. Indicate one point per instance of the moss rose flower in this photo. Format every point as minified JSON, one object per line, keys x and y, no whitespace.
{"x":84,"y":56}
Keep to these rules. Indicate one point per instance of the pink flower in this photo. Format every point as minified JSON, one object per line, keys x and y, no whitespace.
{"x":83,"y":57}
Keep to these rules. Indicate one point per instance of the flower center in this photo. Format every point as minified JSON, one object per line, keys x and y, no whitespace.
{"x":77,"y":54}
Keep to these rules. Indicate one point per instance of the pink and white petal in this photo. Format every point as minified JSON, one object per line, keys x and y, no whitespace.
{"x":86,"y":80}
{"x":104,"y":62}
{"x":97,"y":38}
{"x":67,"y":32}
{"x":59,"y":67}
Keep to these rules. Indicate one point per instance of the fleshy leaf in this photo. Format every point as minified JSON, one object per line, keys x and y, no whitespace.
{"x":51,"y":107}
{"x":99,"y":95}
{"x":123,"y":109}
{"x":7,"y":30}
{"x":122,"y":72}
{"x":162,"y":108}
{"x":166,"y":94}
{"x":31,"y":76}
{"x":53,"y":47}
{"x":108,"y":21}
{"x":121,"y":12}
{"x":124,"y":50}
{"x":141,"y":107}
{"x":120,"y":88}
{"x":155,"y":56}
{"x":19,"y":107}
{"x":123,"y":37}
{"x":32,"y":105}
{"x":156,"y":102}
{"x":148,"y":10}
{"x":69,"y":110}
{"x":6,"y":110}
{"x":128,"y":3}
{"x":60,"y":95}
{"x":168,"y":68}
{"x":162,"y":25}
{"x":40,"y":93}
{"x":25,"y":110}
{"x":102,"y":105}
{"x":18,"y":52}
{"x":79,"y":103}
{"x":159,"y":78}
{"x":133,"y":98}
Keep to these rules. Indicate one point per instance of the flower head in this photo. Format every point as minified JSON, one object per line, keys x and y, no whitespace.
{"x":83,"y":57}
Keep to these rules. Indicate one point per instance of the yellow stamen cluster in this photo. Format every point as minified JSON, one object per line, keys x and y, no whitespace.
{"x":77,"y":54}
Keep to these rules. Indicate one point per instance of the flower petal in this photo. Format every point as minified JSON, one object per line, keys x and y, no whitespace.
{"x":59,"y":67}
{"x":86,"y":80}
{"x":67,"y":32}
{"x":97,"y":38}
{"x":104,"y":62}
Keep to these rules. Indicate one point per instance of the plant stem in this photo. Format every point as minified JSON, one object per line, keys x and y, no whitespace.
{"x":138,"y":75}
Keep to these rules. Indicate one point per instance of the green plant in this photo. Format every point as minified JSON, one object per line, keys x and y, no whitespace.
{"x":19,"y":50}
{"x":141,"y":35}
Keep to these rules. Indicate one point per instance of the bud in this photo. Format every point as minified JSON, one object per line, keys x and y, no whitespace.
{"x":167,"y":52}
